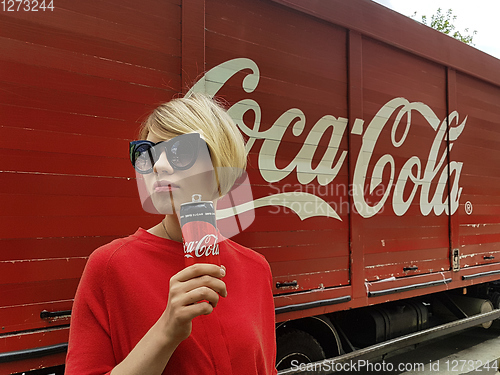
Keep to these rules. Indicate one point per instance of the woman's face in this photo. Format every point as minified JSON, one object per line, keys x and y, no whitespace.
{"x":167,"y":187}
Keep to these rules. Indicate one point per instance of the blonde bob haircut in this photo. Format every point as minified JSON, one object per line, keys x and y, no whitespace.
{"x":202,"y":114}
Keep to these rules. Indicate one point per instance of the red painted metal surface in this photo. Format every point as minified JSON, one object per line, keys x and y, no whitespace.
{"x":316,"y":88}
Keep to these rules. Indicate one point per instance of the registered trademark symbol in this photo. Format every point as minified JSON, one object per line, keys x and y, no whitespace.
{"x":468,"y":207}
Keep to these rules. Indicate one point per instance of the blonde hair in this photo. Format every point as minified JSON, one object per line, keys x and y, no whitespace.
{"x":204,"y":115}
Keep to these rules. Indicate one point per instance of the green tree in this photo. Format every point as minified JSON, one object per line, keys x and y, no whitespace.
{"x":444,"y":22}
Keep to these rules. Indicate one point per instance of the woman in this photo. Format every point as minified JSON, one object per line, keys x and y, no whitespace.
{"x":138,"y":309}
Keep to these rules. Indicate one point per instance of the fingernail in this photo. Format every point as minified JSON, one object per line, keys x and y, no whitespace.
{"x":222,"y":272}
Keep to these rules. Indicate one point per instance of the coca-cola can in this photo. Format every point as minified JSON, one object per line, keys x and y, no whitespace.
{"x":199,"y":233}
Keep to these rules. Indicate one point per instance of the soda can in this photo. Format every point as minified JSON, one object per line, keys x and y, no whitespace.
{"x":199,"y":232}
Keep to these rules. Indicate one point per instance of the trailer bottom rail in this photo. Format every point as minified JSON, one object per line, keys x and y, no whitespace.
{"x":381,"y":349}
{"x":19,"y":355}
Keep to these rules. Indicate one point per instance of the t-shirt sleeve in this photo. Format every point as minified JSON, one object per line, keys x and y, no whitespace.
{"x":90,"y":351}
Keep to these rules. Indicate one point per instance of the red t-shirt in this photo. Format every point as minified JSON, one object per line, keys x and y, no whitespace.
{"x":123,"y":292}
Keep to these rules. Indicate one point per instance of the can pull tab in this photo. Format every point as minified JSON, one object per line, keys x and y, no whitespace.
{"x":196,"y":198}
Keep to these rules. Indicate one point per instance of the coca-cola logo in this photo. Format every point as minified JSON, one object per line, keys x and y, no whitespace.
{"x":206,"y":246}
{"x":415,"y":173}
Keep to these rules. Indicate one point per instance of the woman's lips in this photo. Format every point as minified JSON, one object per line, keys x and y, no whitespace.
{"x":164,"y":186}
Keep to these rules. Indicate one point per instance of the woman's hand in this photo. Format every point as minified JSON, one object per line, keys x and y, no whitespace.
{"x":193,"y":291}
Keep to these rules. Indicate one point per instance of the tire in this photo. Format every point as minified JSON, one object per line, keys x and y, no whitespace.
{"x":297,"y":346}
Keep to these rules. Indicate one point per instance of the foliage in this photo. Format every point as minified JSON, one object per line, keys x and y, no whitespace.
{"x":444,"y":22}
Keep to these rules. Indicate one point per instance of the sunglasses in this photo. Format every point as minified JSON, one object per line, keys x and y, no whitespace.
{"x":181,"y":152}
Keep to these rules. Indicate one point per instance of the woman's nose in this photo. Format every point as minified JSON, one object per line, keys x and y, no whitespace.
{"x":162,"y":165}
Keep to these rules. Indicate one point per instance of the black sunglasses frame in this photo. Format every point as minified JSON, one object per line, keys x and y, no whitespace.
{"x":137,"y":148}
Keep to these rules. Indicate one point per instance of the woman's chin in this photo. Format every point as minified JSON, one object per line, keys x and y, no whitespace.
{"x":163,"y":206}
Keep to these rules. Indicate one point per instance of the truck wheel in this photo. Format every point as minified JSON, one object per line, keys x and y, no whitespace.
{"x":295,"y":347}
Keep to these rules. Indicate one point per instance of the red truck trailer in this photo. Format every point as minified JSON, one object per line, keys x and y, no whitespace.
{"x":373,"y":144}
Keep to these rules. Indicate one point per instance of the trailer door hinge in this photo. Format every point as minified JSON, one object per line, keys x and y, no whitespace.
{"x":455,"y":259}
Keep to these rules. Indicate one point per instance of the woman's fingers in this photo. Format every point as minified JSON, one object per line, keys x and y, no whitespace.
{"x":197,"y":276}
{"x":199,"y":282}
{"x":211,"y":282}
{"x":192,"y":311}
{"x":200,"y":269}
{"x":202,"y":293}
